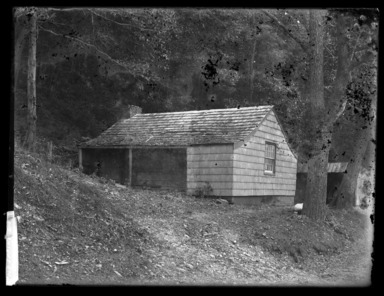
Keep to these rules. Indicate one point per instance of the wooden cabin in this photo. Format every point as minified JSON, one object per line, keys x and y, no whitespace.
{"x":241,"y":153}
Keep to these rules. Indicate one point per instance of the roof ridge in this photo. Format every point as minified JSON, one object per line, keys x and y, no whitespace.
{"x":211,"y":110}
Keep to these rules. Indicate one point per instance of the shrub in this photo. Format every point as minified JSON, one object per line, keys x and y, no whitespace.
{"x":204,"y":190}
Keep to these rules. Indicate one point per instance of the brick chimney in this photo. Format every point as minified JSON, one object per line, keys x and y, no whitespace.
{"x":131,"y":111}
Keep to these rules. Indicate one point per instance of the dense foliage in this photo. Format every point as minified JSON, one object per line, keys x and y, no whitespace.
{"x":94,"y":63}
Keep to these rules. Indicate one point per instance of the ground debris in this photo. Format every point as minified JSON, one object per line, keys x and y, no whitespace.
{"x":99,"y":229}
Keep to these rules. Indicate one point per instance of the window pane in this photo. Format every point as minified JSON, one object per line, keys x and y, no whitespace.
{"x":269,"y":165}
{"x":270,"y":156}
{"x":270,"y":151}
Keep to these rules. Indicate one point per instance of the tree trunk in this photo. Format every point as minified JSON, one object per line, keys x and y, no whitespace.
{"x":315,"y":197}
{"x":316,"y":73}
{"x":364,"y":150}
{"x":345,"y":194}
{"x":31,"y":82}
{"x":252,"y":71}
{"x":19,"y":46}
{"x":251,"y":63}
{"x":315,"y":192}
{"x":343,"y":72}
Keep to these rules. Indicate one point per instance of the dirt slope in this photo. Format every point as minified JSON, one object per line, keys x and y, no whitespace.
{"x":80,"y":229}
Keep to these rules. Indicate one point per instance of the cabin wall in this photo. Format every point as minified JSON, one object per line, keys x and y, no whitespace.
{"x":249,"y":178}
{"x":107,"y":163}
{"x":157,"y":168}
{"x":212,"y":164}
{"x":160,"y":168}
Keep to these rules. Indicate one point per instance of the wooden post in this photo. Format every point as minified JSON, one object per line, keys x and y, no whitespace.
{"x":31,"y":82}
{"x":130,"y":168}
{"x":50,"y":151}
{"x":80,"y":159}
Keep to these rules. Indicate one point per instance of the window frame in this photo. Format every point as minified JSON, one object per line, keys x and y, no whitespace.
{"x":268,"y":172}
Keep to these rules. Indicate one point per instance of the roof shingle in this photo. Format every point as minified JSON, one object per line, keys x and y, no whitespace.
{"x":333,"y":167}
{"x":216,"y":126}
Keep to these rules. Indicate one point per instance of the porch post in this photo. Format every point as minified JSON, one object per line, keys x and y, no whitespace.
{"x":130,"y":168}
{"x":80,"y":159}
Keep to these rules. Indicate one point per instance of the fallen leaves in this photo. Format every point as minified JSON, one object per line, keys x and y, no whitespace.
{"x":62,"y":262}
{"x":117,"y":273}
{"x":156,"y":235}
{"x":47,"y":263}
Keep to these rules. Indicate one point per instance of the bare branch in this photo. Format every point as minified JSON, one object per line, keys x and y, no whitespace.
{"x":55,"y":23}
{"x":286,"y":31}
{"x":118,"y":23}
{"x":360,"y":49}
{"x":99,"y":15}
{"x":342,"y":109}
{"x":128,"y":67}
{"x":84,"y":43}
{"x":354,"y":49}
{"x":65,"y":9}
{"x":329,"y":51}
{"x":365,"y":59}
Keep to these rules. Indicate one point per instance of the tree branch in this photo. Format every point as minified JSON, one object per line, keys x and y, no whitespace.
{"x":55,"y":23}
{"x":354,"y":49}
{"x":128,"y":67}
{"x":78,"y":40}
{"x":329,"y":51}
{"x":99,"y":15}
{"x":118,"y":23}
{"x":366,"y":58}
{"x":286,"y":31}
{"x":117,"y":62}
{"x":65,"y":9}
{"x":342,"y":109}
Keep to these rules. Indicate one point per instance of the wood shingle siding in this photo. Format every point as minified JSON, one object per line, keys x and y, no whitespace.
{"x":262,"y":192}
{"x":249,"y":177}
{"x":208,"y":164}
{"x":207,"y":171}
{"x":209,"y":157}
{"x":212,"y":164}
{"x":262,"y":179}
{"x":209,"y":178}
{"x":213,"y":149}
{"x":215,"y":185}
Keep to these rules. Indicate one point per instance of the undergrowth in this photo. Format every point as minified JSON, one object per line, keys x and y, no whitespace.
{"x":67,"y":216}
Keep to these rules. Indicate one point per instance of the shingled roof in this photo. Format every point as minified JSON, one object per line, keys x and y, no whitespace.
{"x":333,"y":167}
{"x":216,"y":126}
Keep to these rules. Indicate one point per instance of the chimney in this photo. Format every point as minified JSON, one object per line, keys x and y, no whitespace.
{"x":132,"y":111}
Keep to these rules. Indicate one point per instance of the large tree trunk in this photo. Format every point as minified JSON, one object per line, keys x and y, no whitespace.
{"x":252,"y":62}
{"x":316,"y":188}
{"x":364,"y":150}
{"x":317,"y":168}
{"x":252,"y":71}
{"x":17,"y":60}
{"x":345,"y":195}
{"x":19,"y":46}
{"x":31,"y":82}
{"x":315,"y":197}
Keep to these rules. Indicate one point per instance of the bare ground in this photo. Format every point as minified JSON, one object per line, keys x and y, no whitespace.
{"x":78,"y":229}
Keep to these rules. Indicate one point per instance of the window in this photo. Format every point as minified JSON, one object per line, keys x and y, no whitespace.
{"x":270,"y":158}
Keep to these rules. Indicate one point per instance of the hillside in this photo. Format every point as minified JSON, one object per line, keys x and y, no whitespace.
{"x":80,"y":229}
